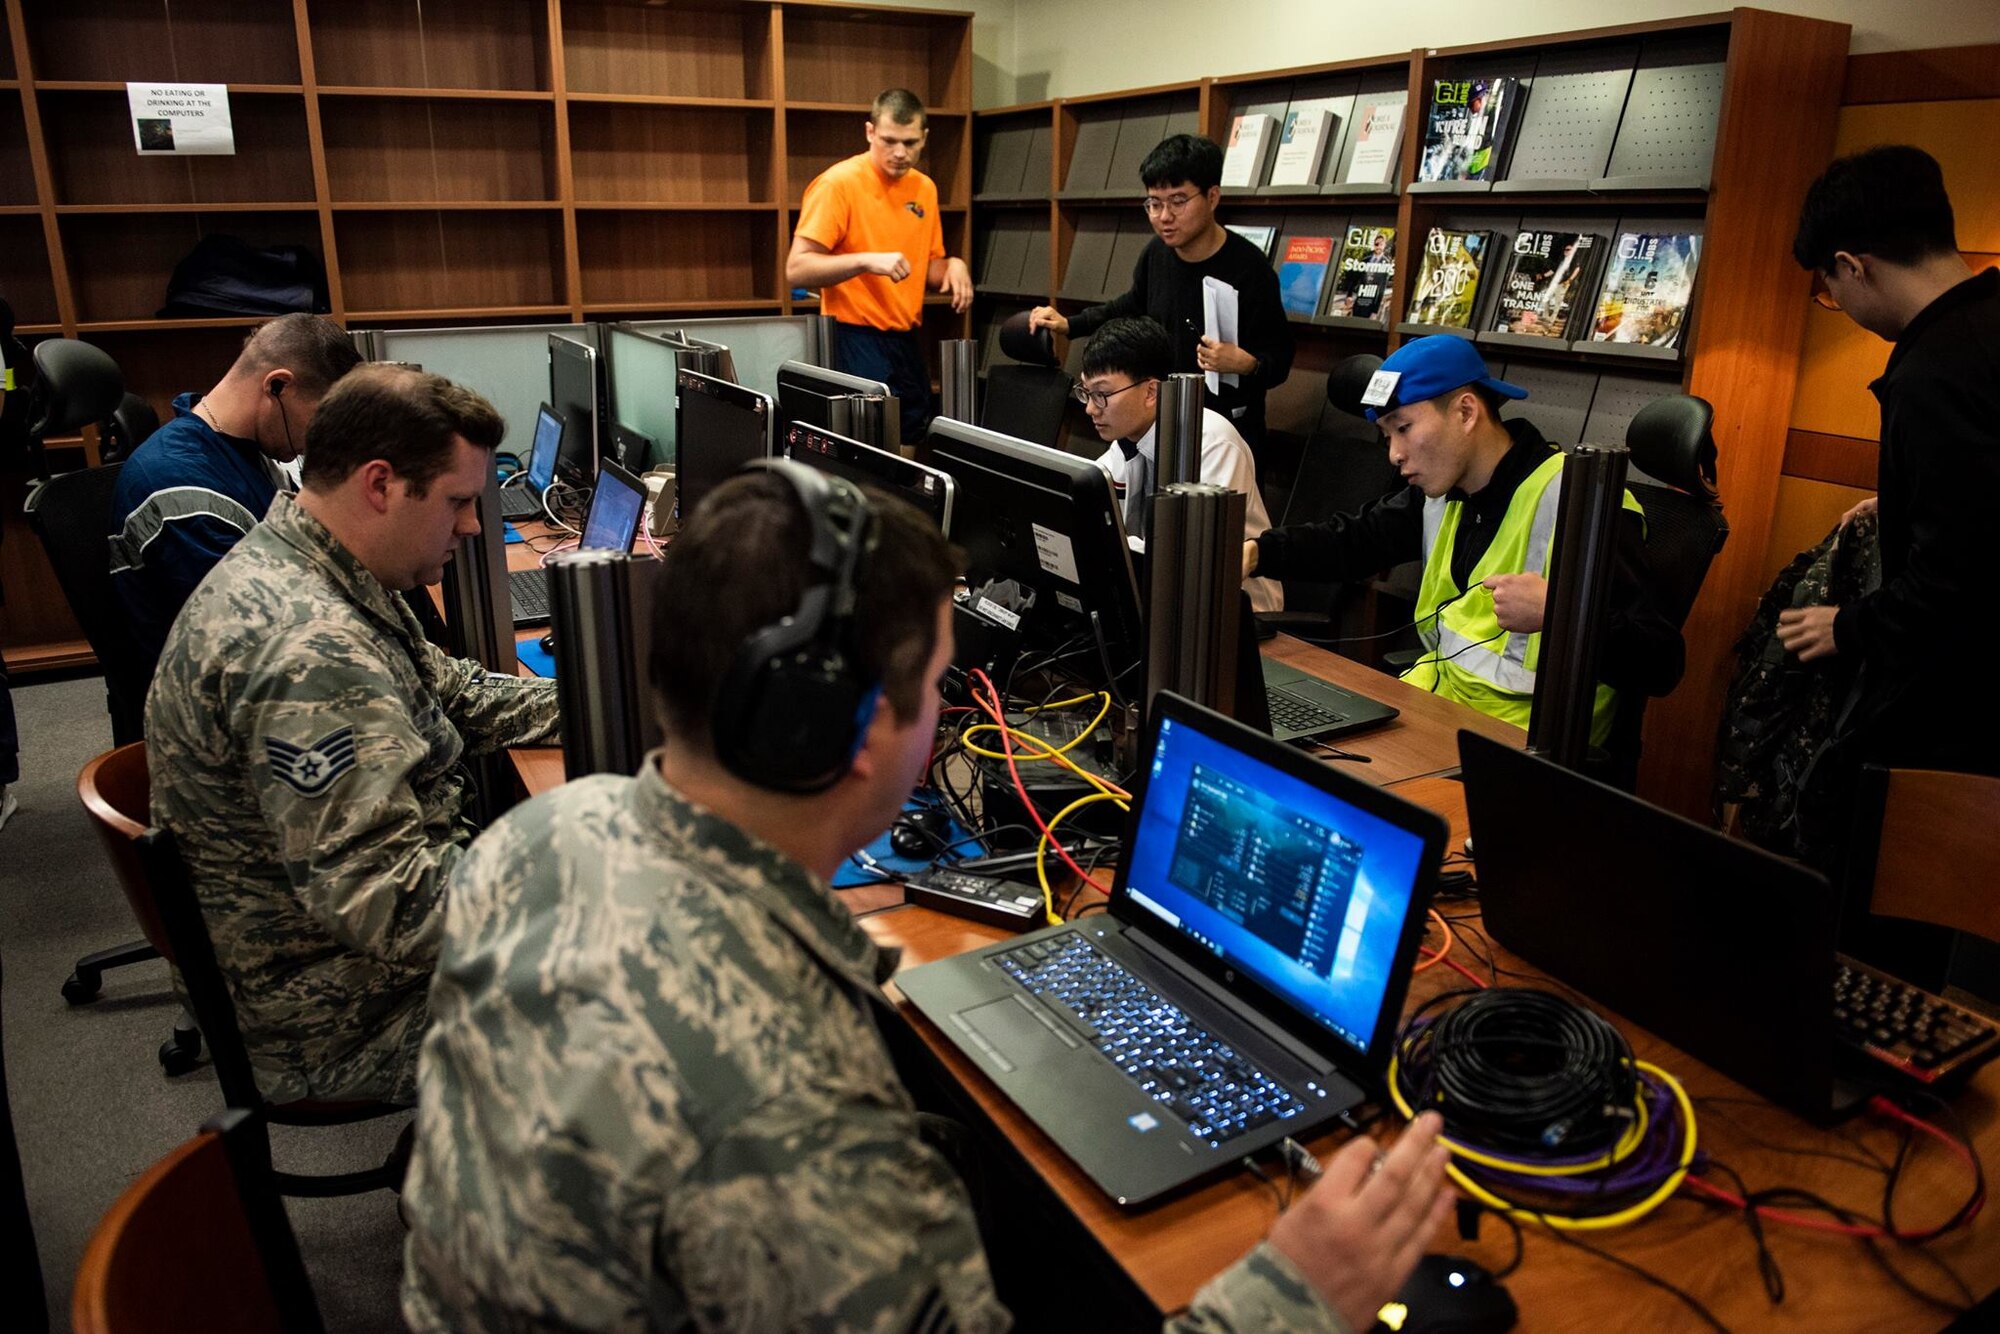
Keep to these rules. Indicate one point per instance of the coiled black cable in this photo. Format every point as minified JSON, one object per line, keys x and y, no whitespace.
{"x":1520,"y":1072}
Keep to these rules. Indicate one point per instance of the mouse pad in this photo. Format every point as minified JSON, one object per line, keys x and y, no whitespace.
{"x":535,"y":658}
{"x":513,"y":534}
{"x":855,"y":871}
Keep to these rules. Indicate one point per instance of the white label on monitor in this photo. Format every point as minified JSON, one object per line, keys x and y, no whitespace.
{"x":1069,"y":601}
{"x":1055,"y":553}
{"x":994,"y":611}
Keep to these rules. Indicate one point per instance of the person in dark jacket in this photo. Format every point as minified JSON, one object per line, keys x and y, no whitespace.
{"x":197,"y":485}
{"x":1183,"y":176}
{"x":1877,"y":231}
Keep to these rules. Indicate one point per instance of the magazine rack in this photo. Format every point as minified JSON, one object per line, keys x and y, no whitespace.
{"x":1559,"y":397}
{"x":1666,"y":138}
{"x":1566,"y":132}
{"x":1335,"y":94}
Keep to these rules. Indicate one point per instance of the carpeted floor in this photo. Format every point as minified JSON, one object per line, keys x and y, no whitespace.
{"x":91,"y":1107}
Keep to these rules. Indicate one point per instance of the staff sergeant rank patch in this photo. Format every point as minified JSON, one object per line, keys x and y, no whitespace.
{"x":313,"y":769}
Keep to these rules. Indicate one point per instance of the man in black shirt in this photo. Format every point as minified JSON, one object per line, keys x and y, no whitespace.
{"x":1480,"y":513}
{"x":1877,"y":231}
{"x":1182,"y":176}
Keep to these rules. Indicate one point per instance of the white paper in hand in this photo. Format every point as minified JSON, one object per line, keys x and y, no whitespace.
{"x":1218,"y":310}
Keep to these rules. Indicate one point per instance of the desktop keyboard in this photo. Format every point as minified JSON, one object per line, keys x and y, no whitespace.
{"x":530,"y":592}
{"x":1289,"y":711}
{"x":1921,"y":1036}
{"x":1182,"y":1066}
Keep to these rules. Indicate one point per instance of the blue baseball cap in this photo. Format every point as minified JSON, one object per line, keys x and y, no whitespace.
{"x":1425,"y":367}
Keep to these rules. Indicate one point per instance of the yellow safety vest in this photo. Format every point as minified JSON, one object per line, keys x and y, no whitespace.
{"x":1497,"y":676}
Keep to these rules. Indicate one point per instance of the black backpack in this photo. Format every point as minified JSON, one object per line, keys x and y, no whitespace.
{"x":224,"y":275}
{"x":1785,"y":722}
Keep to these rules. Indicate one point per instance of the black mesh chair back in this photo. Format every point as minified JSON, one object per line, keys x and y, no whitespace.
{"x":192,"y":952}
{"x":72,"y":515}
{"x":1027,"y":402}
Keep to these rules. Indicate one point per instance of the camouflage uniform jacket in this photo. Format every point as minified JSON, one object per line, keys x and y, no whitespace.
{"x":654,"y":1096}
{"x":304,"y":741}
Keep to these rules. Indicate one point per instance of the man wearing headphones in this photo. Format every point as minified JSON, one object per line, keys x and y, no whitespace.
{"x":197,"y":485}
{"x":656,"y":1091}
{"x":304,"y":738}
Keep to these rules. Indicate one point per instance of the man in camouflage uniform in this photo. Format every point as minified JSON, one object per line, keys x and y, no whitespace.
{"x":655,"y":1093}
{"x":304,"y":738}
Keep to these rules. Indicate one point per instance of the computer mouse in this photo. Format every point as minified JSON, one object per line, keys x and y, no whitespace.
{"x":549,"y":642}
{"x":1449,"y":1294}
{"x":922,"y":833}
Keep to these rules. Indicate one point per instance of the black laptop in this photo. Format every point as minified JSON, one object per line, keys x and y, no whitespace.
{"x":1721,"y":948}
{"x":1246,"y":983}
{"x":611,"y":524}
{"x":521,"y":497}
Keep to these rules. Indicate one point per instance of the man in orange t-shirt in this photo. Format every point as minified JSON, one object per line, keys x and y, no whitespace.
{"x":866,"y":225}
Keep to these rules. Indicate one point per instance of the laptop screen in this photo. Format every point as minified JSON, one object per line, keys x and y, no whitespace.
{"x":542,"y":458}
{"x":1300,"y":890}
{"x":614,"y":512}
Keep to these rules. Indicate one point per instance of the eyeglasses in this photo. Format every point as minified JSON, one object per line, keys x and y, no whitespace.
{"x":1092,"y":398}
{"x":1822,"y":295}
{"x":1156,"y":206}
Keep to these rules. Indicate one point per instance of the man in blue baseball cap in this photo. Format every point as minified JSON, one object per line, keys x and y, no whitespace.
{"x":1480,"y":512}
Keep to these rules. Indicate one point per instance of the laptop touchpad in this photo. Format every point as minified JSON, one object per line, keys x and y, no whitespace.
{"x":1013,"y":1033}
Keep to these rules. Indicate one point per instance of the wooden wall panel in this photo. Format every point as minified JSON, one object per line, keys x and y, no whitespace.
{"x":1960,"y":135}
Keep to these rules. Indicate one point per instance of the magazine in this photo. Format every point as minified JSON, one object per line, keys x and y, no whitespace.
{"x":1378,"y":139}
{"x":1367,"y":267}
{"x":1648,"y":283}
{"x":1448,"y":282}
{"x":1466,"y":132}
{"x":1302,"y":274}
{"x":1544,"y":279}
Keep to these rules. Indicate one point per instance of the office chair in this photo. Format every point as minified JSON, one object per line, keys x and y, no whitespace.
{"x":1342,"y":467}
{"x":72,"y":516}
{"x":126,"y":429}
{"x":201,"y":1241}
{"x":1028,"y":400}
{"x":114,"y":789}
{"x":1672,"y":443}
{"x":193,"y":953}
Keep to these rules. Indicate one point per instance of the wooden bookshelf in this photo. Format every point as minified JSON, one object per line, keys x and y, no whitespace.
{"x":1776,"y":80}
{"x":450,"y":161}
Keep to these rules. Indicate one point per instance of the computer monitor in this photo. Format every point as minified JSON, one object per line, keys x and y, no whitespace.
{"x":929,"y":490}
{"x":825,"y":398}
{"x":721,"y":426}
{"x":576,"y":389}
{"x":1047,"y":521}
{"x":613,"y":520}
{"x":542,"y":454}
{"x":631,"y":449}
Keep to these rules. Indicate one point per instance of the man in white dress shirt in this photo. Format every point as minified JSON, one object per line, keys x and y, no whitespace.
{"x":1123,"y":368}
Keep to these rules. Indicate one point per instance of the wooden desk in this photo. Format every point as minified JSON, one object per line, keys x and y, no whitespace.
{"x":1170,"y":1251}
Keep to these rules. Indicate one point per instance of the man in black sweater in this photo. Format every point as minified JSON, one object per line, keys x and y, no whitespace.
{"x":1877,"y":231}
{"x":1182,"y":176}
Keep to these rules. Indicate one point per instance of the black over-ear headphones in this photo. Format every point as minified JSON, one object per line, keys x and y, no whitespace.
{"x":793,"y":709}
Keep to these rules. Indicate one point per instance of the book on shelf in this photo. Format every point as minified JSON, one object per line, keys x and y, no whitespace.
{"x":1543,"y":281}
{"x":1302,"y":273}
{"x":1648,"y":283}
{"x":1466,"y":130}
{"x":1378,"y":130}
{"x":1447,"y":283}
{"x":1261,"y":237}
{"x":1367,"y":267}
{"x":1302,"y":146}
{"x":1252,"y":139}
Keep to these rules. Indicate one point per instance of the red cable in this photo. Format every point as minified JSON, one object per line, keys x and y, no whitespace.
{"x":997,"y":711}
{"x":1881,"y":1106}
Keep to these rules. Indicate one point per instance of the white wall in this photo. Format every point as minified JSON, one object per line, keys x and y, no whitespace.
{"x":1068,"y":48}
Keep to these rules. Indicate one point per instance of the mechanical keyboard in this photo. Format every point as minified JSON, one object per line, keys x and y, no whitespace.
{"x":1920,"y":1036}
{"x":1182,"y":1066}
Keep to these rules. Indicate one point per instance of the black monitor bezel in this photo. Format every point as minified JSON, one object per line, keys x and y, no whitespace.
{"x":863,"y":463}
{"x":587,"y":425}
{"x":736,"y":396}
